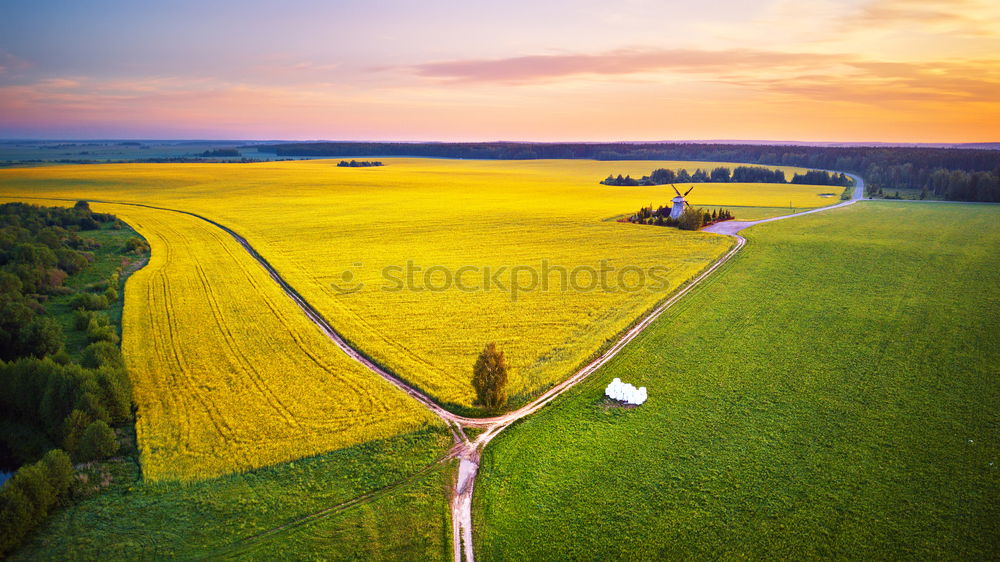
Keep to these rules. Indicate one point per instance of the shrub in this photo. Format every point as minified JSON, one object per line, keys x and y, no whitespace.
{"x":691,"y":219}
{"x":100,"y":329}
{"x":73,"y":427}
{"x":87,"y":301}
{"x":135,"y":245}
{"x":42,"y":336}
{"x":71,"y":261}
{"x":81,"y":318}
{"x":98,"y":442}
{"x":102,"y":354}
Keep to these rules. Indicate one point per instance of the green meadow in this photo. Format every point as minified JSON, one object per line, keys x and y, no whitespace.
{"x":371,"y":501}
{"x":832,"y":392}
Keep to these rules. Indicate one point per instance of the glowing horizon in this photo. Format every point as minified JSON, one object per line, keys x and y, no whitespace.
{"x":811,"y":71}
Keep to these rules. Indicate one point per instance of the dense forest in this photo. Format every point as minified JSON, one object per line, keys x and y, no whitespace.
{"x":742,"y":174}
{"x":55,"y":409}
{"x":888,"y":168}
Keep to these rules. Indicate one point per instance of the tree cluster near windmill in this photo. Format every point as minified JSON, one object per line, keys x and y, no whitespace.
{"x":680,"y":214}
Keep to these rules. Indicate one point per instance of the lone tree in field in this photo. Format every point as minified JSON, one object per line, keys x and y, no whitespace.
{"x":489,"y":376}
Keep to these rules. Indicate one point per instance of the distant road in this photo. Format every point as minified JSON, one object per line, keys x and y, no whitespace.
{"x":732,"y":227}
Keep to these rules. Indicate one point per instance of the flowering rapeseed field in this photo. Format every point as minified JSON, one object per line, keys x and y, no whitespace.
{"x":228,"y":373}
{"x":357,"y":243}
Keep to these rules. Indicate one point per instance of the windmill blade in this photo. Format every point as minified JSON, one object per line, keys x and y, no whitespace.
{"x":688,"y":191}
{"x":675,"y":189}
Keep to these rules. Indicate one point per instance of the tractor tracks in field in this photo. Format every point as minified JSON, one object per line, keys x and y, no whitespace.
{"x":241,"y":546}
{"x":466,"y":450}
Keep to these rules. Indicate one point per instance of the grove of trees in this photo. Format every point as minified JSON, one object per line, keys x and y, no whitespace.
{"x":742,"y":174}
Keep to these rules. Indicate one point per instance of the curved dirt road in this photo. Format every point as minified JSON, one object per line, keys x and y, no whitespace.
{"x":732,"y":227}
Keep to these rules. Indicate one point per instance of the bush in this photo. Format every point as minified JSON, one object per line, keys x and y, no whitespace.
{"x":81,"y":318}
{"x":73,"y":427}
{"x":71,"y":261}
{"x":87,"y":301}
{"x":42,"y":336}
{"x":117,"y":393}
{"x":100,"y":329}
{"x":691,"y":219}
{"x":102,"y":354}
{"x":98,"y":442}
{"x":135,"y":245}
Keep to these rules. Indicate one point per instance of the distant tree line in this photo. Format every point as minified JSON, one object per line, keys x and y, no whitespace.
{"x":953,"y":185}
{"x":359,"y":163}
{"x":221,"y":153}
{"x":163,"y":160}
{"x":690,"y":219}
{"x":822,"y":177}
{"x":52,"y":407}
{"x":882,"y":167}
{"x":742,"y":174}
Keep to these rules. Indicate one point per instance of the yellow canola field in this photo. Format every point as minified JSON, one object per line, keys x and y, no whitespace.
{"x":228,"y":374}
{"x":345,"y":238}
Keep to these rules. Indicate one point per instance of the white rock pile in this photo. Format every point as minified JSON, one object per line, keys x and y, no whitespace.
{"x":624,"y":392}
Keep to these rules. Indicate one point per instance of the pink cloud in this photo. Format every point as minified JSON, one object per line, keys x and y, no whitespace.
{"x":11,"y":63}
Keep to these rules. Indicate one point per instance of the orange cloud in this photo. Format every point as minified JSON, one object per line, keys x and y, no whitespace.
{"x":881,"y":12}
{"x":625,"y":61}
{"x":883,"y":83}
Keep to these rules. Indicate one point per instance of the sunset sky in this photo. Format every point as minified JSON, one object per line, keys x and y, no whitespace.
{"x":810,"y":70}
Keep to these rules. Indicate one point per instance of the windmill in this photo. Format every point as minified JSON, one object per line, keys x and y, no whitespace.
{"x":678,"y":208}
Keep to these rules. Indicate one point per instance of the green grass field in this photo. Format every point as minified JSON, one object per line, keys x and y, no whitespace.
{"x":382,"y":499}
{"x":832,"y":392}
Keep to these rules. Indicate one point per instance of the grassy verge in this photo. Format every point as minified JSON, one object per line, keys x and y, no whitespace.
{"x":829,"y":393}
{"x":137,"y":520}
